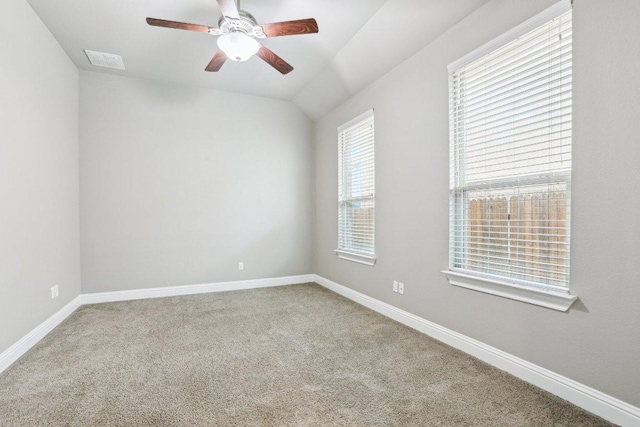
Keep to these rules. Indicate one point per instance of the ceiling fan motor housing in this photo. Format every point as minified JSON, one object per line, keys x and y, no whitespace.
{"x":246,"y":24}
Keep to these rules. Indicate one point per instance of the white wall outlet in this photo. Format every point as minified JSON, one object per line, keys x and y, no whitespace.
{"x":395,"y":286}
{"x":55,"y":292}
{"x":241,"y":266}
{"x":401,"y":288}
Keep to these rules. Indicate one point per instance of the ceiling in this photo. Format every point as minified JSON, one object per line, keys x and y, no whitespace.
{"x":352,"y":33}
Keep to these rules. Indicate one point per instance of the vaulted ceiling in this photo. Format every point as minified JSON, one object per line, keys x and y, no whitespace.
{"x":358,"y":41}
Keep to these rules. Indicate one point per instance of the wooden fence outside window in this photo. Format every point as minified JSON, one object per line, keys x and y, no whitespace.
{"x":523,"y":236}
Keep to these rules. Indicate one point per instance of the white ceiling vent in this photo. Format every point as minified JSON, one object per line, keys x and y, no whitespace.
{"x":107,"y":60}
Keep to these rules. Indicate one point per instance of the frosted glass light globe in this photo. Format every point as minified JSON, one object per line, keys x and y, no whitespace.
{"x":238,"y":46}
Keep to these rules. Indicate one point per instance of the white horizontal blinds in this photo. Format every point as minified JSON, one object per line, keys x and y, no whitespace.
{"x":356,"y":178}
{"x":510,"y":127}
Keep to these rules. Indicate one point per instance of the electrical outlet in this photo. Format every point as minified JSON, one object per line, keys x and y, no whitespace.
{"x":395,"y":286}
{"x":55,"y":292}
{"x":401,"y":288}
{"x":241,"y":266}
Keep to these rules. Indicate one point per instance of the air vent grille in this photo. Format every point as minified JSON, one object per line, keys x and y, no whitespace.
{"x":106,"y":60}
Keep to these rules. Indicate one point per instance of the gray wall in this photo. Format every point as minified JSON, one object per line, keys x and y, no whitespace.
{"x":39,"y":242}
{"x":598,"y":342}
{"x":178,"y":185}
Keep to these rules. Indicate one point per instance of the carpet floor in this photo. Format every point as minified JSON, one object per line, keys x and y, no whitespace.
{"x":285,"y":356}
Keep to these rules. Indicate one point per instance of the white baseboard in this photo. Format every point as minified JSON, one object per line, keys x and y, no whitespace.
{"x":170,"y":291}
{"x":14,"y":352}
{"x":594,"y":401}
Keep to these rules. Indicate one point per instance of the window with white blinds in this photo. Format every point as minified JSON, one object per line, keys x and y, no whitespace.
{"x":510,"y":140}
{"x":356,"y":187}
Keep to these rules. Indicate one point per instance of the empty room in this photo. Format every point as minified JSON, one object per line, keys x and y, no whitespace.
{"x":320,"y":213}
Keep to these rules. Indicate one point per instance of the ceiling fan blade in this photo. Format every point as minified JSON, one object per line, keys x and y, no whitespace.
{"x":274,"y":60}
{"x":290,"y":28}
{"x":229,"y":8}
{"x":178,"y":25}
{"x":217,"y":62}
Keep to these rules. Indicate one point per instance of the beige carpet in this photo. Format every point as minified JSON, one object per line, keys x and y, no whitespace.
{"x":286,"y":356}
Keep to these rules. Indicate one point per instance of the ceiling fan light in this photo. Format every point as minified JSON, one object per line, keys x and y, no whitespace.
{"x":238,"y":46}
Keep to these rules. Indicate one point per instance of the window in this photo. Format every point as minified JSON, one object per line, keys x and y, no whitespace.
{"x":356,"y":190}
{"x":510,"y":157}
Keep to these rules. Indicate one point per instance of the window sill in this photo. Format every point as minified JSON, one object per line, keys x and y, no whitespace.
{"x":556,"y":300}
{"x":351,"y":256}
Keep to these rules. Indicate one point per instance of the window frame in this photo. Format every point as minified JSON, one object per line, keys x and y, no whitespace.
{"x":346,"y":252}
{"x":554,"y":297}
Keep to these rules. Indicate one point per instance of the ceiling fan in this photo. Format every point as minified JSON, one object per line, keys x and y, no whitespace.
{"x":238,"y":33}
